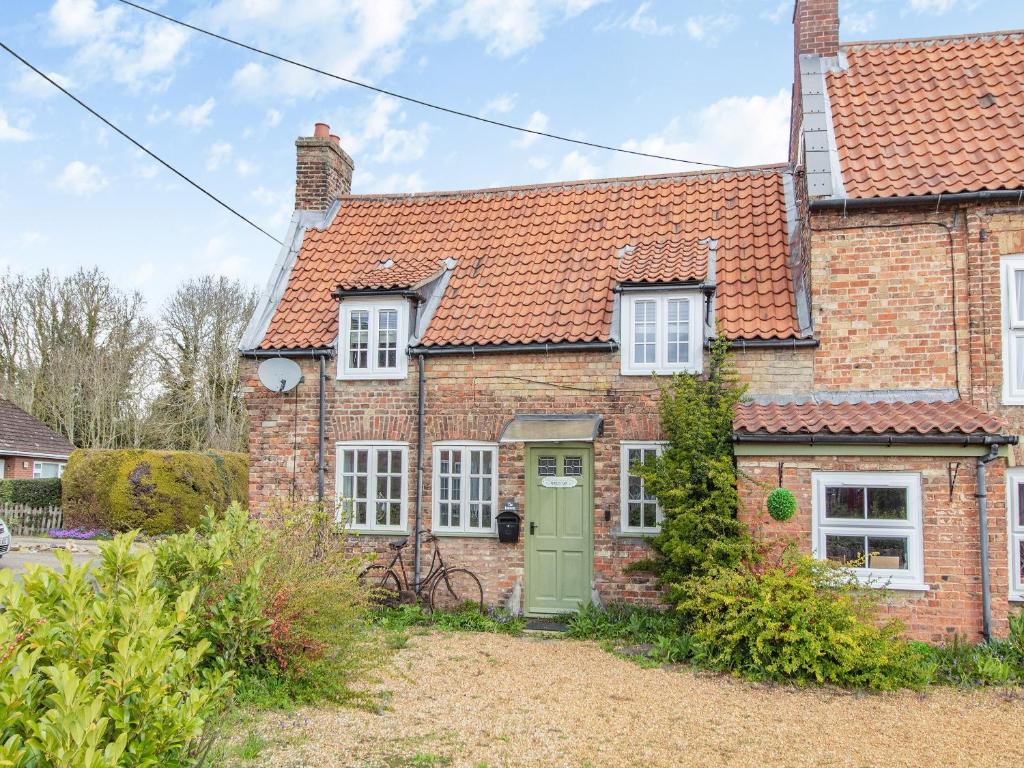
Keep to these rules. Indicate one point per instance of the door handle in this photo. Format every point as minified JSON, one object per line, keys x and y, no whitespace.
{"x":533,"y":528}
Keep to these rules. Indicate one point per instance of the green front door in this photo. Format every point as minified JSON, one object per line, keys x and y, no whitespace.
{"x":559,"y":528}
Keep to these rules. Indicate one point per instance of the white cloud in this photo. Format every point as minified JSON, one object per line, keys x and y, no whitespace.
{"x":157,"y":116}
{"x":273,"y":118}
{"x":931,"y":6}
{"x":218,"y":155}
{"x":395,"y":182}
{"x":360,"y":38}
{"x":9,"y":132}
{"x":378,"y":134}
{"x":510,"y":26}
{"x":538,"y":122}
{"x":500,"y":105}
{"x":859,"y":23}
{"x":221,"y":258}
{"x":245,"y":167}
{"x":33,"y":86}
{"x":708,"y":28}
{"x":112,"y":45}
{"x":265,"y":196}
{"x":30,"y":238}
{"x":197,"y":116}
{"x":640,"y":21}
{"x":577,"y":165}
{"x":781,"y":12}
{"x":81,"y":179}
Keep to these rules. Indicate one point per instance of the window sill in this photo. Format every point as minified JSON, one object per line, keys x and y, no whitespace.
{"x":389,"y":532}
{"x":1017,"y":598}
{"x":620,"y":534}
{"x":373,"y":376}
{"x":464,"y":534}
{"x":879,"y":582}
{"x":660,"y":371}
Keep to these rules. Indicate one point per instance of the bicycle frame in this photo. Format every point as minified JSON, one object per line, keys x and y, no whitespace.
{"x":437,"y":567}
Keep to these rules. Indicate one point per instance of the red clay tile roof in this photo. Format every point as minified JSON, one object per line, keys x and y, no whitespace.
{"x":879,"y":418}
{"x":22,"y":433}
{"x":919,"y":117}
{"x":667,"y":261}
{"x":538,"y":264}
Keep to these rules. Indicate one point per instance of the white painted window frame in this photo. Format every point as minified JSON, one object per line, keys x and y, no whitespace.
{"x":37,"y":469}
{"x":695,"y":353}
{"x":624,"y":448}
{"x":1013,"y":327}
{"x":911,"y":579}
{"x":373,"y":305}
{"x":372,"y":446}
{"x":435,"y":506}
{"x":1015,"y":530}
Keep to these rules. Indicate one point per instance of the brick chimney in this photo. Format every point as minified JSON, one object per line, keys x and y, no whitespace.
{"x":816,"y":32}
{"x":323,"y":170}
{"x":816,"y":27}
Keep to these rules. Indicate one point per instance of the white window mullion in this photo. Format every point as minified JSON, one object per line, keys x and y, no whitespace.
{"x":472,"y":510}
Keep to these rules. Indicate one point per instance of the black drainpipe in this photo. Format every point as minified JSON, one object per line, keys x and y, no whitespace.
{"x":420,"y":441}
{"x":982,"y":494}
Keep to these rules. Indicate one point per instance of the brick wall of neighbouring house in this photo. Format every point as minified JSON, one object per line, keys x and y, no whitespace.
{"x":951,"y":542}
{"x":471,"y":398}
{"x":18,"y":467}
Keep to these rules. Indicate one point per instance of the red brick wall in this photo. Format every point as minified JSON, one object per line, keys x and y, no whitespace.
{"x":471,"y":398}
{"x":323,"y":171}
{"x":18,"y":467}
{"x":951,"y":542}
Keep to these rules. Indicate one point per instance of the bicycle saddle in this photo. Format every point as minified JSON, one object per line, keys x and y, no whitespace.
{"x":398,"y":543}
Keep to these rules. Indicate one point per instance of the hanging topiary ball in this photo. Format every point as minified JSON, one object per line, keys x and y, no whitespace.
{"x":781,"y":504}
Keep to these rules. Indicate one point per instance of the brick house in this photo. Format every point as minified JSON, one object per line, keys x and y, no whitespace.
{"x":29,"y":448}
{"x":473,"y":351}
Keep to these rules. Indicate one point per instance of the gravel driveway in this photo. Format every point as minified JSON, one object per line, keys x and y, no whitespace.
{"x":487,"y":700}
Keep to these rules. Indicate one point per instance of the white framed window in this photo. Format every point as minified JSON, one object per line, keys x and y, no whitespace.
{"x":465,"y":489}
{"x":1012,"y":292}
{"x":1015,"y":510}
{"x":872,"y":521}
{"x":662,"y":332}
{"x":372,"y":337}
{"x":371,"y":482}
{"x":641,"y":512}
{"x":46,"y":469}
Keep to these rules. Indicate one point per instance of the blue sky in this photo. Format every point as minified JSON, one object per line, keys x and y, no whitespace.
{"x":704,"y":79}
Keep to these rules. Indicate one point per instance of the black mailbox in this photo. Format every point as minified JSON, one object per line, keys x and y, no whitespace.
{"x":508,"y":527}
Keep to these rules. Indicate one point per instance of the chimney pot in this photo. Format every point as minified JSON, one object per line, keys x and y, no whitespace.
{"x":323,"y":170}
{"x":321,"y":131}
{"x":336,"y":139}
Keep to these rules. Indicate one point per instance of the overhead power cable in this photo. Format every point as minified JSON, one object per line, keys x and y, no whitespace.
{"x":413,"y":100}
{"x":149,"y":152}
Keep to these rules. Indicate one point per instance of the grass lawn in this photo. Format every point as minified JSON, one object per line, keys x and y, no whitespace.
{"x":478,"y":699}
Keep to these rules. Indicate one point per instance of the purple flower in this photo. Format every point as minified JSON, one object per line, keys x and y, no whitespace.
{"x":77,"y":533}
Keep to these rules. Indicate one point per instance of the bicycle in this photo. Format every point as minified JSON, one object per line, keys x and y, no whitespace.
{"x":449,"y":588}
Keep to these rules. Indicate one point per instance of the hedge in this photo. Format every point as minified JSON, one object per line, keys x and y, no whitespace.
{"x":155,"y":491}
{"x":41,"y":492}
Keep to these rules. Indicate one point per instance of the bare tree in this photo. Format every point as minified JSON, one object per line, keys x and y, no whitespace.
{"x":200,"y":403}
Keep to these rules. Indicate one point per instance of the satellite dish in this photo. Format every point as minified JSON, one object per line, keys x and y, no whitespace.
{"x":279,"y":374}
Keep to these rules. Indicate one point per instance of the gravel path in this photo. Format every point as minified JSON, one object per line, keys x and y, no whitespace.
{"x":486,"y":700}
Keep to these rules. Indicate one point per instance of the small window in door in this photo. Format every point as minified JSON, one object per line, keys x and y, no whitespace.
{"x":573,"y":466}
{"x":547,"y":466}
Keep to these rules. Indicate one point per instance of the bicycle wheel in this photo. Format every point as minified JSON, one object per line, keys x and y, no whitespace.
{"x":383,"y":585}
{"x":456,"y":588}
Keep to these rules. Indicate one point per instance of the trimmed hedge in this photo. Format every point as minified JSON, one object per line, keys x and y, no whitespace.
{"x":40,"y":492}
{"x":155,"y":491}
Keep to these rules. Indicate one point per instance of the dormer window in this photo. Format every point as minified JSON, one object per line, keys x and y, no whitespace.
{"x":372,"y":337}
{"x":662,"y":332}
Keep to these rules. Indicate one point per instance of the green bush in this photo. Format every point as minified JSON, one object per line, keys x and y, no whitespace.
{"x":781,"y":504}
{"x":623,"y":623}
{"x":97,"y":670}
{"x":803,"y":621}
{"x":157,"y":492}
{"x":468,"y":618}
{"x":39,"y":492}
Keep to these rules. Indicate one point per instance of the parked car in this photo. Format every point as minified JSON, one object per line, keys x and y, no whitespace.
{"x":5,"y":537}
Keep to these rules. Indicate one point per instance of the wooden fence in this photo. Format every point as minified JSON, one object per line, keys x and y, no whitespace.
{"x":24,"y":520}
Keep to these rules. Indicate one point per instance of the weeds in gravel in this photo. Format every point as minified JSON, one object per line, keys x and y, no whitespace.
{"x":252,"y":746}
{"x":468,"y":619}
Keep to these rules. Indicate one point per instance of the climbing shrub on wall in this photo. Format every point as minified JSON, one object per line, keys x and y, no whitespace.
{"x":695,"y":477}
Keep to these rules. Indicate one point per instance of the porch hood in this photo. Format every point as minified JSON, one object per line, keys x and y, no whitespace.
{"x":552,"y":428}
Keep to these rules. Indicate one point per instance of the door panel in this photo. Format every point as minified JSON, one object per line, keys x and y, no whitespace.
{"x":559,"y":509}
